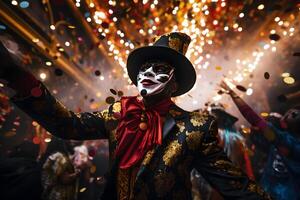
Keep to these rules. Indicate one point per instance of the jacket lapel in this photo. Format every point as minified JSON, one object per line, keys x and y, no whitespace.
{"x":170,"y":121}
{"x":168,"y":125}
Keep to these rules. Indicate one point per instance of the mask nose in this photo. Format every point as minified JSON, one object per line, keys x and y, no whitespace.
{"x":149,"y":72}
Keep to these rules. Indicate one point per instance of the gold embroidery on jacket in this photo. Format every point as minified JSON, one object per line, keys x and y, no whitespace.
{"x":117,"y":107}
{"x":181,"y":126}
{"x":172,"y":151}
{"x":198,"y":119}
{"x":227,"y":166}
{"x":193,"y":139}
{"x":148,"y":157}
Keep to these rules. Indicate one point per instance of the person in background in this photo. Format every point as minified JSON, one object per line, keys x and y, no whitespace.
{"x":59,"y":175}
{"x":281,"y":175}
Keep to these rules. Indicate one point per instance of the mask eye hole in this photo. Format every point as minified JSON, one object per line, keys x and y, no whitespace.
{"x":144,"y":67}
{"x":162,"y":68}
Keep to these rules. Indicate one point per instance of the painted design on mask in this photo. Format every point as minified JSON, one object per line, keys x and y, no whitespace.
{"x":154,"y":78}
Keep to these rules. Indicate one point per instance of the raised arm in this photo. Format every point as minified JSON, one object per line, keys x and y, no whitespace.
{"x":34,"y":99}
{"x":220,"y":172}
{"x":250,"y":115}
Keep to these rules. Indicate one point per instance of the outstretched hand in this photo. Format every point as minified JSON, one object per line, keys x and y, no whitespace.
{"x":225,"y":87}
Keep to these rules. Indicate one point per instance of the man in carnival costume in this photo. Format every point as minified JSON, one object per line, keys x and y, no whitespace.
{"x":153,"y":143}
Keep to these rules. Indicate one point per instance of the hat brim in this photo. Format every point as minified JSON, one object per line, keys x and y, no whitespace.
{"x":184,"y":71}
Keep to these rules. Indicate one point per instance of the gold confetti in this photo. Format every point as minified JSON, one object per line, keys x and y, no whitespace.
{"x":285,"y":74}
{"x":219,"y":68}
{"x":289,"y":80}
{"x":264,"y":114}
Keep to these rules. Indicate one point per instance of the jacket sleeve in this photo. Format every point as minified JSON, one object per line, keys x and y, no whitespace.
{"x":220,"y":172}
{"x":61,"y":122}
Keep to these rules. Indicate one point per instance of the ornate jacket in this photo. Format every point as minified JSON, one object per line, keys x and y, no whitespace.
{"x":189,"y":141}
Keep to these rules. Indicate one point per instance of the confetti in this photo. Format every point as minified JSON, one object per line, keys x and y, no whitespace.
{"x":97,"y":73}
{"x":110,"y":100}
{"x":274,"y":37}
{"x":289,"y":80}
{"x":267,"y":75}
{"x":120,"y":93}
{"x":241,"y":88}
{"x":113,"y":91}
{"x":264,"y":114}
{"x":218,"y":68}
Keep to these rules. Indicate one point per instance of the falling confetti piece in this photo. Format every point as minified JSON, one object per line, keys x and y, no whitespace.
{"x":241,"y":88}
{"x":113,"y":91}
{"x":120,"y":93}
{"x":220,"y":92}
{"x":267,"y":75}
{"x":286,"y":74}
{"x":82,"y":189}
{"x":246,"y":130}
{"x":105,"y":25}
{"x":274,"y":37}
{"x":97,"y":73}
{"x":219,"y":68}
{"x":110,"y":100}
{"x":289,"y":80}
{"x":264,"y":114}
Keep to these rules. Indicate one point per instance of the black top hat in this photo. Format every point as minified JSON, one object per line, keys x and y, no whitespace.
{"x":170,"y":48}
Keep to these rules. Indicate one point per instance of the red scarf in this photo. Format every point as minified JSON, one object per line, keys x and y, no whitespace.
{"x":133,"y":142}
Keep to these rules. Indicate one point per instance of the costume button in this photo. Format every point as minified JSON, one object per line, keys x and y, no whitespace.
{"x":143,"y":126}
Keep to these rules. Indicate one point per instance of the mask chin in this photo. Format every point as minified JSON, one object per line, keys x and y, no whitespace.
{"x":151,"y":91}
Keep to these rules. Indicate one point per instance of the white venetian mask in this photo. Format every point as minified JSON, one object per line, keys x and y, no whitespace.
{"x":153,"y":77}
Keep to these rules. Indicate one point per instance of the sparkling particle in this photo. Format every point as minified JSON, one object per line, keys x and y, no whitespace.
{"x":110,"y":100}
{"x":289,"y":80}
{"x":285,"y":74}
{"x":264,"y":114}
